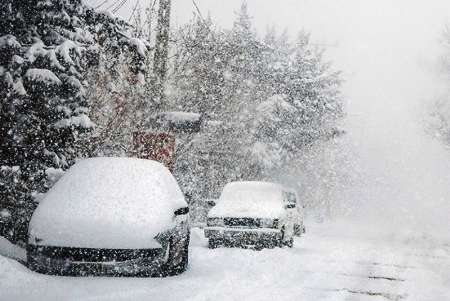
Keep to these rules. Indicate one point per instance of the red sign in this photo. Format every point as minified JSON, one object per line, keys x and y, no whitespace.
{"x":157,"y":147}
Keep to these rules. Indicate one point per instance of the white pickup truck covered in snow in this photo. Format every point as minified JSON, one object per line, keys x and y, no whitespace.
{"x":253,"y":214}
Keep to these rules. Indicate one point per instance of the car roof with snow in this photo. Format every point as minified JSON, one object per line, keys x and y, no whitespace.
{"x":250,"y":199}
{"x":115,"y":203}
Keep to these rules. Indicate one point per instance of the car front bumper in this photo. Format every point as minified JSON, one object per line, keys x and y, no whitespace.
{"x":244,"y":237}
{"x":146,"y":266}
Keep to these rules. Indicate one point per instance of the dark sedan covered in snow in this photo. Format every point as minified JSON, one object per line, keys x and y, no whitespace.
{"x":111,"y":217}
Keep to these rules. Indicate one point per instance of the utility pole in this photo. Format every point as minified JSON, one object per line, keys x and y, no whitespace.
{"x":161,"y":51}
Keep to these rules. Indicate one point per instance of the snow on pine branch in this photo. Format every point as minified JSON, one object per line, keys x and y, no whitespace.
{"x":81,"y":121}
{"x":43,"y":76}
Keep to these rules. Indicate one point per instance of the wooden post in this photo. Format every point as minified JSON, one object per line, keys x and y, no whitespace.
{"x":161,"y":50}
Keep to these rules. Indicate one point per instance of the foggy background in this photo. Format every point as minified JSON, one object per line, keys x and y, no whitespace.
{"x":399,"y":175}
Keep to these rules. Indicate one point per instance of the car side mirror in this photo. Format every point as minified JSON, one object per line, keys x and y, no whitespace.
{"x":182,"y":211}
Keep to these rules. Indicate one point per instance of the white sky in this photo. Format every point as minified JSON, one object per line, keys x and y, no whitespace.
{"x":375,"y":38}
{"x":362,"y":28}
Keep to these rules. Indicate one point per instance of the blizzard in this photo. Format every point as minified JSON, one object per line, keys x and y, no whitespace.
{"x":388,"y":238}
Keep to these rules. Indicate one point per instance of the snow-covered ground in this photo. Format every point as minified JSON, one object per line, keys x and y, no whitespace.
{"x":329,"y":263}
{"x":10,"y":250}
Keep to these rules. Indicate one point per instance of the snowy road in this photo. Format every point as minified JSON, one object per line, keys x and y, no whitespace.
{"x":324,"y":265}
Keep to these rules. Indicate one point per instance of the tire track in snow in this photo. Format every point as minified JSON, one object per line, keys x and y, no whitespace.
{"x":370,"y":279}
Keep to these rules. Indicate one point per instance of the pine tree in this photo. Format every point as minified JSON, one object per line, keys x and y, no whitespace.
{"x":314,"y":90}
{"x":302,"y":104}
{"x":46,"y":47}
{"x":199,"y":69}
{"x":277,"y":61}
{"x":244,"y":57}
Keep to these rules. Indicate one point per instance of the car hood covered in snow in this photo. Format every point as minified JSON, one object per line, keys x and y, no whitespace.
{"x":250,"y":199}
{"x":114,"y":203}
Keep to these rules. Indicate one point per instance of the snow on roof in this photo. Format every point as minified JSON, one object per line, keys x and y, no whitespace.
{"x":250,"y":199}
{"x":115,"y":203}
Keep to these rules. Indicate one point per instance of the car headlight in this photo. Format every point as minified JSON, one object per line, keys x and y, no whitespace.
{"x":214,"y":222}
{"x":268,"y":223}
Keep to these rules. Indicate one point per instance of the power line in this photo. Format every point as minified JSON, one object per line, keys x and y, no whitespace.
{"x":134,"y":10}
{"x":113,"y":4}
{"x":101,"y":4}
{"x":121,"y":4}
{"x":198,"y":10}
{"x":202,"y":19}
{"x":151,"y":9}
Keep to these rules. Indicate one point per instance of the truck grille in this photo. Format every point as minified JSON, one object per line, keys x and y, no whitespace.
{"x":242,"y":222}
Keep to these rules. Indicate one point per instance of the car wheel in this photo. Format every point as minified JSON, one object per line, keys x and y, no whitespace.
{"x":171,"y":268}
{"x":280,"y":242}
{"x":258,"y":247}
{"x":283,"y":242}
{"x":298,"y":230}
{"x":289,"y":243}
{"x":32,"y":265}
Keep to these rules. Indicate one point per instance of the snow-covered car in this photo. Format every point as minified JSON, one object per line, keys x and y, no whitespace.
{"x":111,"y":217}
{"x":253,"y":214}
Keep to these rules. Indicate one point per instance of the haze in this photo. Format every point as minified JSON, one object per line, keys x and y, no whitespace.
{"x":386,"y":50}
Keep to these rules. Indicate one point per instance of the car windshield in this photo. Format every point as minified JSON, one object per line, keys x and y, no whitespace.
{"x":250,"y":199}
